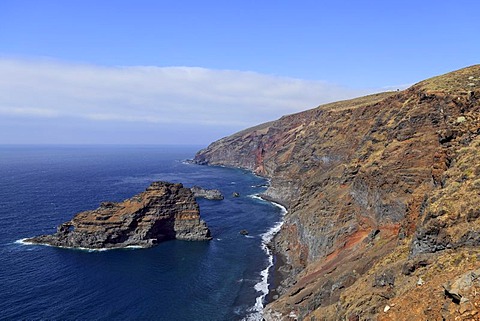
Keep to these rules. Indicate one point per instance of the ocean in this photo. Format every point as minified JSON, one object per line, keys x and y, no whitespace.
{"x":43,"y":186}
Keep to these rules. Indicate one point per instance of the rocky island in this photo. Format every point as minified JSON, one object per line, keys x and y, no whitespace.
{"x":163,"y":211}
{"x":383,"y":197}
{"x":209,"y":194}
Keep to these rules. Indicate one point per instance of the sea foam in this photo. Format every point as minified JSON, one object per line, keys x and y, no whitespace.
{"x":262,"y":286}
{"x":128,"y":247}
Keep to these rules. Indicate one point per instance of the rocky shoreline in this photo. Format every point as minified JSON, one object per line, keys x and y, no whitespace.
{"x":278,"y":276}
{"x":163,"y":211}
{"x":280,"y":273}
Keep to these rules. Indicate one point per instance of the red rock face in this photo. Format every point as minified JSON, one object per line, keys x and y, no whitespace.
{"x":372,"y":185}
{"x":163,"y":211}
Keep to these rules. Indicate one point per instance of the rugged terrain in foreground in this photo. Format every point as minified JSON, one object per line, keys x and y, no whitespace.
{"x":383,"y":194}
{"x":164,"y":211}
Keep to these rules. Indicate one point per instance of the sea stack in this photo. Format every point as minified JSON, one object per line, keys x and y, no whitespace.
{"x":163,"y":211}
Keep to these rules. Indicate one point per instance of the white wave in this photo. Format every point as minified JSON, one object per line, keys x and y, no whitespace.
{"x":262,"y":286}
{"x":133,"y":247}
{"x":129,"y":247}
{"x":256,"y":197}
{"x":283,"y":208}
{"x":260,"y":185}
{"x":23,"y":242}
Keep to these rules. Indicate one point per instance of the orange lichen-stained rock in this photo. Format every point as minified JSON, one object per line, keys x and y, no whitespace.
{"x":164,"y":211}
{"x":383,"y":194}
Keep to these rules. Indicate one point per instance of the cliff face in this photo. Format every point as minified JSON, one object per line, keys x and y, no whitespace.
{"x":164,"y":211}
{"x":383,"y":194}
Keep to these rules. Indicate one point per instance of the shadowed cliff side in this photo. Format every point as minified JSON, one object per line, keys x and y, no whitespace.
{"x":383,"y":194}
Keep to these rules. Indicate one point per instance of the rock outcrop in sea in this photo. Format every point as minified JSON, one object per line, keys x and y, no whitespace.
{"x":383,"y":197}
{"x":163,"y":211}
{"x":209,"y":194}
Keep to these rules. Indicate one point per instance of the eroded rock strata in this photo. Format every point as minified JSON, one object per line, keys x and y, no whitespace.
{"x":163,"y":211}
{"x":383,"y":194}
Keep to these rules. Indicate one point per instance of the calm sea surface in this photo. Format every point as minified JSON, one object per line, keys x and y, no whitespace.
{"x":41,"y":187}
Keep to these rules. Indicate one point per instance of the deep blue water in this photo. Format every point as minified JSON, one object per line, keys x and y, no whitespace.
{"x":41,"y":187}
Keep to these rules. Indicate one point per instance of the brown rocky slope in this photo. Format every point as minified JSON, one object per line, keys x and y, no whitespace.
{"x":383,"y":194}
{"x":163,"y":211}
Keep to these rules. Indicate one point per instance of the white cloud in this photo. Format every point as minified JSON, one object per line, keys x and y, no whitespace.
{"x":28,"y":111}
{"x":164,"y":95}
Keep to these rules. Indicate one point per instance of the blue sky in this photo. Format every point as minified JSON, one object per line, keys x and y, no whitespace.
{"x":190,"y":72}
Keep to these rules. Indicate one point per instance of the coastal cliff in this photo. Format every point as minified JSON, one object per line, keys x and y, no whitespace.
{"x":163,"y":211}
{"x":383,"y":194}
